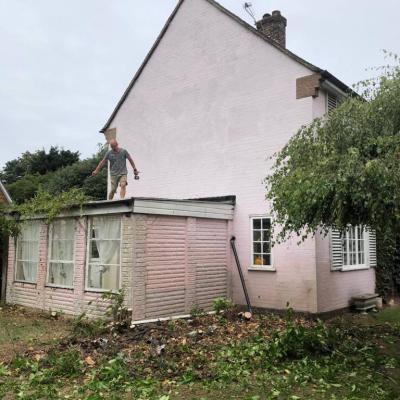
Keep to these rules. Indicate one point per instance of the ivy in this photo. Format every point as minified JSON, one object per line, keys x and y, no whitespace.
{"x":44,"y":205}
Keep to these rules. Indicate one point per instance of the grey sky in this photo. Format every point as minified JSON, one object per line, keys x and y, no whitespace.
{"x":64,"y":64}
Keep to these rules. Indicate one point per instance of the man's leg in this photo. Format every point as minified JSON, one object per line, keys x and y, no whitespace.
{"x":122,"y":183}
{"x":114,"y":185}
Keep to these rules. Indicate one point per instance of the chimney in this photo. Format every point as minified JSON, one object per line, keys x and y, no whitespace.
{"x":274,"y":26}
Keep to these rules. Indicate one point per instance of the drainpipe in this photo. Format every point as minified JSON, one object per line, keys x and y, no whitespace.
{"x":246,"y":295}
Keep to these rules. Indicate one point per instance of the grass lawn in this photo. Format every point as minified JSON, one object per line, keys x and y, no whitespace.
{"x":208,"y":357}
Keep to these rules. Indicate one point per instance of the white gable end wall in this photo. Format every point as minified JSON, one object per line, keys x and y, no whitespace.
{"x":211,"y":106}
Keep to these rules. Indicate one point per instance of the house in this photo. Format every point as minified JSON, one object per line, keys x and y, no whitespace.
{"x":4,"y":199}
{"x":212,"y":101}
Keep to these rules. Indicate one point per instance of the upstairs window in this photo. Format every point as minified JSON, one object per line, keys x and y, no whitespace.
{"x":332,"y":101}
{"x":28,"y":252}
{"x":104,"y":247}
{"x":61,"y":253}
{"x":261,"y":242}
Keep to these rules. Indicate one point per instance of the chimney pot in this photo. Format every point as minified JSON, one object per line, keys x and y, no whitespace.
{"x":274,"y":26}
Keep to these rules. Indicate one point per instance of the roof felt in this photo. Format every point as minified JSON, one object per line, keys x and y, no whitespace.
{"x":324,"y":73}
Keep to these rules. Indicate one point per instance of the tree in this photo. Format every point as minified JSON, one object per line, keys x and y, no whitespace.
{"x":37,"y":163}
{"x":344,"y":168}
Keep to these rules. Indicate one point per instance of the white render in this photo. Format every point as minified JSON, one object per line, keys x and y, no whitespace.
{"x":213,"y":103}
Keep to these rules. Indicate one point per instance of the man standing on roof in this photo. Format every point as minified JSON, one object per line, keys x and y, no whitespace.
{"x":117,"y":157}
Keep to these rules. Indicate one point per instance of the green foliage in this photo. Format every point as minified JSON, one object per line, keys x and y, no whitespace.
{"x":196,"y":311}
{"x":116,"y":309}
{"x":222,"y":304}
{"x":38,"y":163}
{"x":344,"y":168}
{"x":85,"y":327}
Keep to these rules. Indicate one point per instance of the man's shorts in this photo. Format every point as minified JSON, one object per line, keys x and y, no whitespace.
{"x":117,"y":179}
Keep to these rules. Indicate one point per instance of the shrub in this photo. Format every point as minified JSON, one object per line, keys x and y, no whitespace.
{"x":222,"y":304}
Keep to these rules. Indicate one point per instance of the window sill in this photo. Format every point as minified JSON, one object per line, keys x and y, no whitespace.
{"x":269,"y":269}
{"x":26,"y":282}
{"x":354,"y":268}
{"x":49,"y":285}
{"x":98,"y":290}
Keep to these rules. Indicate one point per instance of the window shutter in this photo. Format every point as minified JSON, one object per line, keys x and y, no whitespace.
{"x":333,"y":102}
{"x":336,"y":250}
{"x":372,"y":248}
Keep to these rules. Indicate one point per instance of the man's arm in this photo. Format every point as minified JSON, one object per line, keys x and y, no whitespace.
{"x":99,"y":167}
{"x":135,"y":171}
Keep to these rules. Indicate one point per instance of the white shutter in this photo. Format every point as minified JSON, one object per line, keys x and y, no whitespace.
{"x":336,"y":250}
{"x":333,"y":102}
{"x":372,"y":248}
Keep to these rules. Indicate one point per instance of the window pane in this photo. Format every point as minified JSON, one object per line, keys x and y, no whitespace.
{"x":256,"y":223}
{"x":63,"y":229}
{"x":257,"y":259}
{"x":265,"y":236}
{"x":107,"y":251}
{"x":257,"y":248}
{"x":106,"y":228}
{"x":266,"y":248}
{"x":62,"y":250}
{"x":103,"y":277}
{"x":61,"y":274}
{"x":266,"y":223}
{"x":257,"y":236}
{"x":26,"y":271}
{"x":266,"y":259}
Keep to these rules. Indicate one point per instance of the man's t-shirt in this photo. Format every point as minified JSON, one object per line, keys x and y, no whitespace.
{"x":117,"y":161}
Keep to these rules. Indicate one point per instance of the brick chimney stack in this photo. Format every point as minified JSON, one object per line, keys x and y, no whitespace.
{"x":274,"y":26}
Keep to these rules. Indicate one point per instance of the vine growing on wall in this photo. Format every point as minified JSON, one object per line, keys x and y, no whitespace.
{"x":45,"y":205}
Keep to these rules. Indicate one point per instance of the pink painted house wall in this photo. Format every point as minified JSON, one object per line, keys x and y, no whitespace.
{"x":212,"y":104}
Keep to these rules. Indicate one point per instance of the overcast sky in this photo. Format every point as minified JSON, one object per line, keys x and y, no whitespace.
{"x":65,"y":63}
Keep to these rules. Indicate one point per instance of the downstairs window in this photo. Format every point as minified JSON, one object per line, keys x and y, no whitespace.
{"x":261,"y":243}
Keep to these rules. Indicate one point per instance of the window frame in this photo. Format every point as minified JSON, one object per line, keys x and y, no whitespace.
{"x":49,"y":244}
{"x":88,"y":240}
{"x":355,"y":267}
{"x":17,"y":259}
{"x":252,"y":267}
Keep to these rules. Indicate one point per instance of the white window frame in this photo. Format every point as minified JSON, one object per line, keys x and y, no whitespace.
{"x":365,"y":265}
{"x":99,"y":290}
{"x":17,"y":260}
{"x":59,"y":261}
{"x":253,"y":267}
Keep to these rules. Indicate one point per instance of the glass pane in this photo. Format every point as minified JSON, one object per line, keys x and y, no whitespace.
{"x":266,"y":248}
{"x":28,"y":250}
{"x":257,"y":236}
{"x":62,"y":250}
{"x":257,"y":259}
{"x":106,"y":251}
{"x":266,"y":259}
{"x":257,"y":248}
{"x":61,"y":274}
{"x":256,"y":223}
{"x":265,"y":236}
{"x":30,"y":230}
{"x":26,"y":271}
{"x":63,"y":229}
{"x":103,"y":277}
{"x":106,"y":228}
{"x":266,"y":223}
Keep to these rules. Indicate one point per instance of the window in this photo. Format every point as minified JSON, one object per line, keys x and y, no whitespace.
{"x":28,"y":252}
{"x":61,"y":253}
{"x":261,"y":242}
{"x":353,"y":245}
{"x":353,"y":249}
{"x":104,"y":244}
{"x":332,"y":101}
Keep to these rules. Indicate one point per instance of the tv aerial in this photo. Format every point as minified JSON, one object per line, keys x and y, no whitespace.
{"x":248,"y":7}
